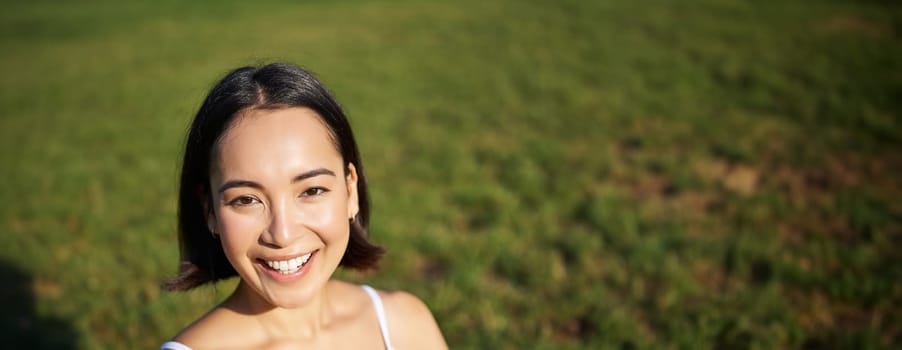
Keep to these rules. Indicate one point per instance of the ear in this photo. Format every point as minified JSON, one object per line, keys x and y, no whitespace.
{"x":353,"y":201}
{"x":209,"y":215}
{"x":211,"y":222}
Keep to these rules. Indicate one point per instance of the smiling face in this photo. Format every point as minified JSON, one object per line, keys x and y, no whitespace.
{"x":281,"y":203}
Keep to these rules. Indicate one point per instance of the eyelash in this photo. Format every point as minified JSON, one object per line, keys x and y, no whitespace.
{"x":316,"y":191}
{"x":237,"y":202}
{"x":244,"y":201}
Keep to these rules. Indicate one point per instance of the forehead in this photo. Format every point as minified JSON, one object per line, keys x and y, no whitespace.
{"x":270,"y":138}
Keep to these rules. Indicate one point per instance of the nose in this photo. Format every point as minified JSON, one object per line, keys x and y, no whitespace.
{"x":283,"y":228}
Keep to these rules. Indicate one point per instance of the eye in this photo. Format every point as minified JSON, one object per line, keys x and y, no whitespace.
{"x":314,"y":191}
{"x":243,"y":201}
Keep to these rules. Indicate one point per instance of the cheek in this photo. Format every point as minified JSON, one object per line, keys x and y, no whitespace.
{"x":330,"y":221}
{"x":240,"y":230}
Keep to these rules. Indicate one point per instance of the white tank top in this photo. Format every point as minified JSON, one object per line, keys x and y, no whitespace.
{"x":377,"y":303}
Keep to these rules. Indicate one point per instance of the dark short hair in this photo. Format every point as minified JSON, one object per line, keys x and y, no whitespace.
{"x":272,"y":86}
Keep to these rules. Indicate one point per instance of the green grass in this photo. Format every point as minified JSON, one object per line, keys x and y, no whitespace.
{"x":573,"y":174}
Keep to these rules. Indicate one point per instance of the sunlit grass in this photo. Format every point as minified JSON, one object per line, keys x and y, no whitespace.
{"x":577,"y":174}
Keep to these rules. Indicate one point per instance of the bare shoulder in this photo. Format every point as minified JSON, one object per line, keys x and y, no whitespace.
{"x":203,"y":334}
{"x":411,"y":324}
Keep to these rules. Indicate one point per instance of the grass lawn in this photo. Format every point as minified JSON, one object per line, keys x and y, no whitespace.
{"x":569,"y":174}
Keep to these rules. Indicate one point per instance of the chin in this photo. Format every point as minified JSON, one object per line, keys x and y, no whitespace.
{"x":291,"y":299}
{"x":293,"y":295}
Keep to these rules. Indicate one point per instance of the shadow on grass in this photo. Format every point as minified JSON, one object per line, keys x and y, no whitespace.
{"x":20,"y":326}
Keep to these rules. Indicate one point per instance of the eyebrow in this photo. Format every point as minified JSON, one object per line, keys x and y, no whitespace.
{"x":301,"y":177}
{"x":312,"y":173}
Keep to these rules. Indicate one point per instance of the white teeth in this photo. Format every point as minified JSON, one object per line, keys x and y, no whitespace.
{"x":289,"y":266}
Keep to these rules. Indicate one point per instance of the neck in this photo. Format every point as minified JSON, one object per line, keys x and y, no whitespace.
{"x":305,"y":321}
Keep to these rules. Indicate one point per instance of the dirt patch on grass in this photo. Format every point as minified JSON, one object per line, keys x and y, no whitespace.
{"x":813,"y":192}
{"x":577,"y":329}
{"x":431,"y":268}
{"x":47,"y":288}
{"x":708,"y":274}
{"x":822,"y":317}
{"x":860,"y":26}
{"x":737,"y":178}
{"x":742,"y":180}
{"x":649,"y":186}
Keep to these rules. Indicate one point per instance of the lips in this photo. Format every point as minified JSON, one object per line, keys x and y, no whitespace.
{"x":290,"y":266}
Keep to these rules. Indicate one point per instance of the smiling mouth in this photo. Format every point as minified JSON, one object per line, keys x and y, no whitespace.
{"x":290,"y":266}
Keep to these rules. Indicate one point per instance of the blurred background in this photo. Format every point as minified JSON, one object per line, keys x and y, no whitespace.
{"x":566,"y":174}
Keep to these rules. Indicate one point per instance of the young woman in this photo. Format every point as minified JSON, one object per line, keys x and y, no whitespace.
{"x":273,"y":191}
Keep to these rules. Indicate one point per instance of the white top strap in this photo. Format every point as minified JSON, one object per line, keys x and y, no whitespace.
{"x":380,"y":313}
{"x":174,"y":345}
